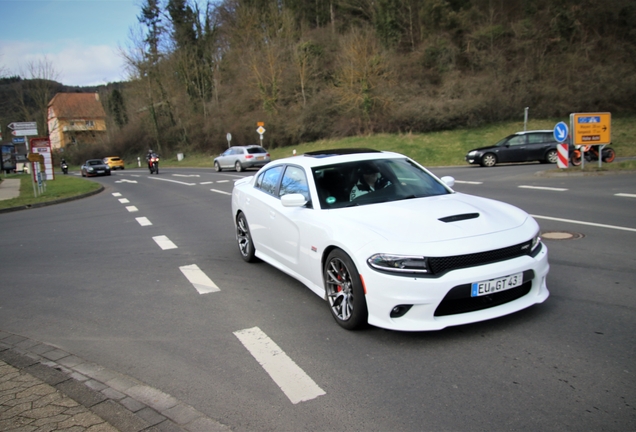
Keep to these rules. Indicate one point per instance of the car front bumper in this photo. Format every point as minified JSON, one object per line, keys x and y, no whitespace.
{"x":423,"y":295}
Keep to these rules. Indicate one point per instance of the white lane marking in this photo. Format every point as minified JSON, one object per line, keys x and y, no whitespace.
{"x":126,"y":181}
{"x":135,"y":175}
{"x":584,"y":223}
{"x":186,"y":175}
{"x":132,"y":209}
{"x":116,"y":194}
{"x":201,"y":282}
{"x":468,"y":182}
{"x":220,"y":191}
{"x":291,"y":379}
{"x":173,"y":181}
{"x":164,"y":242}
{"x":205,"y":183}
{"x":124,"y":200}
{"x":625,"y":195}
{"x":223,"y":181}
{"x":143,"y":221}
{"x":543,"y":188}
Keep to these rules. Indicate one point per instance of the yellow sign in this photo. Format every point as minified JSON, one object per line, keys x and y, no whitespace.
{"x":591,"y":128}
{"x":260,"y":124}
{"x":35,"y":157}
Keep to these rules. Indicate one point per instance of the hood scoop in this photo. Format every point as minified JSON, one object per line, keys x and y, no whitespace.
{"x":459,"y":217}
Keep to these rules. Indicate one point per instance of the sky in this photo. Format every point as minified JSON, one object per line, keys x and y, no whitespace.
{"x":80,"y":39}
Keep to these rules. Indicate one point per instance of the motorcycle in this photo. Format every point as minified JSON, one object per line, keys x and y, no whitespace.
{"x":64,"y":168}
{"x":591,"y":154}
{"x":153,"y":164}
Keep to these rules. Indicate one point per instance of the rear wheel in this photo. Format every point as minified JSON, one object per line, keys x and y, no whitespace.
{"x":244,"y":239}
{"x":488,"y":160}
{"x":551,"y":157}
{"x":576,"y":158}
{"x":238,"y":166}
{"x":344,"y":291}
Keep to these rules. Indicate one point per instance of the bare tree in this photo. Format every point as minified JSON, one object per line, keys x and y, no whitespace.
{"x":37,"y":92}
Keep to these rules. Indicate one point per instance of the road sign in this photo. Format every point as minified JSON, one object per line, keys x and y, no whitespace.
{"x":22,"y":125}
{"x":35,"y":157}
{"x":260,"y":123}
{"x":18,"y":140}
{"x":229,"y":136}
{"x":560,"y":132}
{"x":591,"y":128}
{"x":24,"y":132}
{"x":260,"y":130}
{"x":562,"y":155}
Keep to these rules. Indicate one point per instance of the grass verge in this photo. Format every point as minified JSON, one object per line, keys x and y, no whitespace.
{"x":61,"y":187}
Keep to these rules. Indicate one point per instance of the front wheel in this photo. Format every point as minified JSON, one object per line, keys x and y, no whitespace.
{"x":156,"y":168}
{"x":217,"y":167}
{"x":609,"y":154}
{"x":344,"y":291}
{"x":244,"y":239}
{"x":488,"y":160}
{"x":575,"y":159}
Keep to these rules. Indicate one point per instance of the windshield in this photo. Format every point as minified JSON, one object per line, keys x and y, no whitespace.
{"x":375,"y":181}
{"x":95,"y":162}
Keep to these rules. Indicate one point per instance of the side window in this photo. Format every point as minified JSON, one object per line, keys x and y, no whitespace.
{"x":268,"y":180}
{"x":537,"y":138}
{"x":294,"y":181}
{"x":517,"y":140}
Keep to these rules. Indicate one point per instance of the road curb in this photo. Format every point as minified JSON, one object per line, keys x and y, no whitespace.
{"x":124,"y":402}
{"x":52,"y":202}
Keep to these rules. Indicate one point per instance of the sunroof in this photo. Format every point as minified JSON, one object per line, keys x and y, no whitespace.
{"x":338,"y":152}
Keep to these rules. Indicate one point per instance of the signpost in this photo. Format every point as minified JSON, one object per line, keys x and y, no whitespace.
{"x":560,"y":134}
{"x":591,"y":129}
{"x":229,"y":139}
{"x":260,"y":130}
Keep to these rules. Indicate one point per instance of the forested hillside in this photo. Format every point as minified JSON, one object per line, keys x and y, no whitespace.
{"x":312,"y":69}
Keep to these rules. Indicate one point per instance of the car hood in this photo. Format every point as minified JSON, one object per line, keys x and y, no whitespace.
{"x":482,"y":149}
{"x":418,"y":220}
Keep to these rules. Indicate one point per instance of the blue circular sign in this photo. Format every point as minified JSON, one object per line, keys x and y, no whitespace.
{"x":560,"y":132}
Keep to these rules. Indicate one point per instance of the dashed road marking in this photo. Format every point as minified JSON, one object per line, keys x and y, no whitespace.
{"x":143,"y":221}
{"x":116,"y":194}
{"x":205,"y":183}
{"x":625,"y":195}
{"x":132,"y":209}
{"x":223,"y":181}
{"x":291,"y":379}
{"x":221,"y":192}
{"x":468,"y":182}
{"x":584,"y":223}
{"x":201,"y":282}
{"x":124,"y":200}
{"x":126,"y":181}
{"x":186,"y":175}
{"x":172,"y":181}
{"x":543,"y":188}
{"x":164,"y":242}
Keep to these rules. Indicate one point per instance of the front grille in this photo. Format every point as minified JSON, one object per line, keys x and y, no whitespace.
{"x":458,"y":299}
{"x":440,"y":265}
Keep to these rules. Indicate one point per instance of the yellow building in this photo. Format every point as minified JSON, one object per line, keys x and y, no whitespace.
{"x":75,"y":118}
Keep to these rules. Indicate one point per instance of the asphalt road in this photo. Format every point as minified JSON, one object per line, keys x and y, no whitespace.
{"x":89,"y":277}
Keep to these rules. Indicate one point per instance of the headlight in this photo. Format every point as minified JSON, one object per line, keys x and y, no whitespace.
{"x":403,"y":264}
{"x":536,"y":242}
{"x":89,"y":169}
{"x":472,"y":153}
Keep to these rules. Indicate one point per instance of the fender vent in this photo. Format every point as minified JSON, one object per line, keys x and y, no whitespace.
{"x":459,"y":217}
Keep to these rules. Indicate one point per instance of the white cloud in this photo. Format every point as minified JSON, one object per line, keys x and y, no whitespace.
{"x":75,"y":64}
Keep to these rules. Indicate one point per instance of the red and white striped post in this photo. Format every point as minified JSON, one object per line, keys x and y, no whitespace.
{"x":562,"y":161}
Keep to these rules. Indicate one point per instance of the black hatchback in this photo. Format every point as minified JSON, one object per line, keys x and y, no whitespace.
{"x":528,"y":146}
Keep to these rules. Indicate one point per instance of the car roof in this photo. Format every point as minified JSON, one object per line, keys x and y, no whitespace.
{"x":336,"y":156}
{"x":533,"y":131}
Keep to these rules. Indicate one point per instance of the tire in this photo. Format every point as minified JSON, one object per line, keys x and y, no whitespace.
{"x":244,"y":239}
{"x":345,"y":293}
{"x":217,"y":167}
{"x":609,"y":154}
{"x":551,"y":156}
{"x":157,"y":169}
{"x":488,"y":160}
{"x":575,"y":159}
{"x":238,"y":166}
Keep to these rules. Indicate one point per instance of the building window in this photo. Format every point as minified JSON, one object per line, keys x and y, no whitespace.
{"x":90,"y":123}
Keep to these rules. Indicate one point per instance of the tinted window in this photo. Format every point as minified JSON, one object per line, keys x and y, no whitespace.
{"x":268,"y":181}
{"x":294,"y":181}
{"x":538,"y":138}
{"x":255,"y":150}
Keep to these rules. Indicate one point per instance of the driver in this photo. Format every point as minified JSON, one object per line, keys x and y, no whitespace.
{"x":370,"y":180}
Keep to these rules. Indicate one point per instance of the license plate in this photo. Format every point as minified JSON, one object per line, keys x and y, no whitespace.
{"x":495,"y":285}
{"x":260,"y":157}
{"x":100,"y":171}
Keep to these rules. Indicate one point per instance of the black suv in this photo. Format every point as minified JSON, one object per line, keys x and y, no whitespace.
{"x":528,"y":146}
